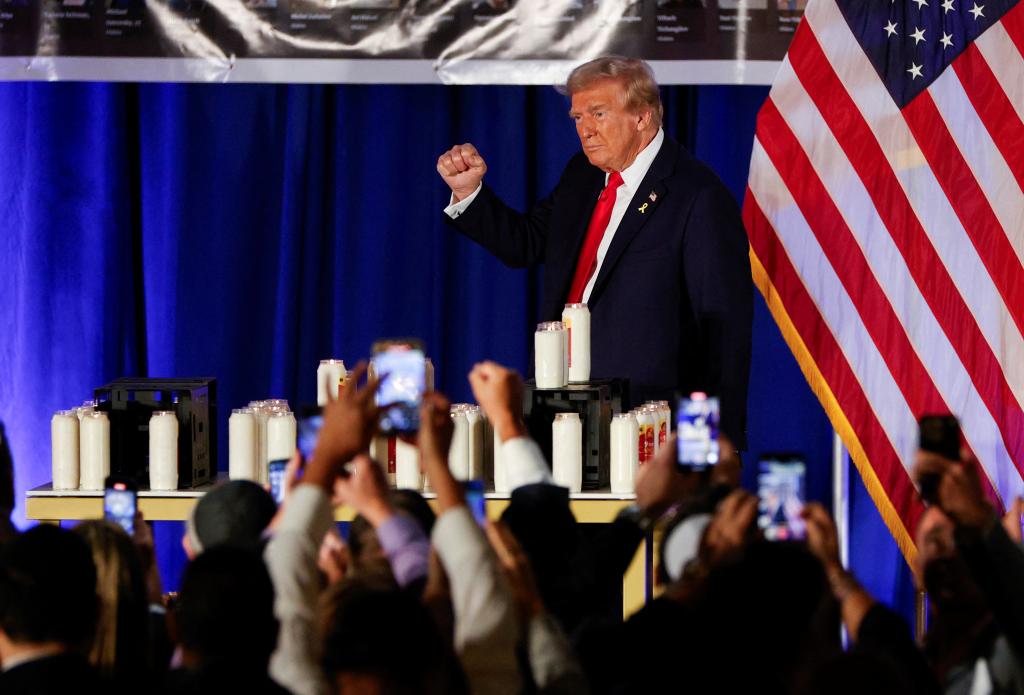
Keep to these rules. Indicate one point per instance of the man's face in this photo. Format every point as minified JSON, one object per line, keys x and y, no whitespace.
{"x":611,"y":135}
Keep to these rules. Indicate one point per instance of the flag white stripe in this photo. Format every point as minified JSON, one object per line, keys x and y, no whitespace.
{"x":1006,"y":63}
{"x":997,"y":182}
{"x":926,"y":196}
{"x":928,"y":340}
{"x":828,"y":294}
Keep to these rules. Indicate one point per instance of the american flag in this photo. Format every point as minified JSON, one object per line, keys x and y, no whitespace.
{"x":885,"y":209}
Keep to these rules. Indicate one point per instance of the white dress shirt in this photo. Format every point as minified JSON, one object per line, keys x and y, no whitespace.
{"x":632,"y":177}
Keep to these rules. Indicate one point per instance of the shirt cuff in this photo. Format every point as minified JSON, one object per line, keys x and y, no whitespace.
{"x":524,"y":463}
{"x":457,"y":208}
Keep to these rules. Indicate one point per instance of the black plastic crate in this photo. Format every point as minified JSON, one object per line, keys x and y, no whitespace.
{"x":129,"y":403}
{"x":596,"y":402}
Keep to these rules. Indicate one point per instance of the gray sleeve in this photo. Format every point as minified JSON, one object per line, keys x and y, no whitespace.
{"x":485,"y":618}
{"x":553,"y":664}
{"x":291,"y":557}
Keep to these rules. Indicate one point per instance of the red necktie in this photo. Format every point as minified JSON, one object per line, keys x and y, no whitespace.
{"x":587,"y":263}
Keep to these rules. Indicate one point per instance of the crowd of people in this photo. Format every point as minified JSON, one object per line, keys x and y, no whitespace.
{"x":427,"y":600}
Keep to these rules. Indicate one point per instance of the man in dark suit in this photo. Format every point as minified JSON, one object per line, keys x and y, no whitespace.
{"x":640,"y":231}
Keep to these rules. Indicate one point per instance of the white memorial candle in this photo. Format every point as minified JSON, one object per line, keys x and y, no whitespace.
{"x":329,"y":376}
{"x":549,"y":355}
{"x":163,"y":450}
{"x":94,"y":449}
{"x":576,"y":318}
{"x":475,"y":417}
{"x":567,"y":451}
{"x":458,"y":453}
{"x":646,"y":420}
{"x":281,"y":433}
{"x":242,"y":445}
{"x":625,"y":457}
{"x":261,"y":411}
{"x":64,"y":449}
{"x":407,"y":466}
{"x":664,"y":422}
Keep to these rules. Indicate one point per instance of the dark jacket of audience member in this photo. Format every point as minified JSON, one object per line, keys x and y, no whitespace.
{"x":226,"y":626}
{"x":47,"y":614}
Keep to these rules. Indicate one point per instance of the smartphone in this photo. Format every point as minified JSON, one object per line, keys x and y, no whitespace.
{"x":308,"y":427}
{"x":475,"y":500}
{"x":120,"y":502}
{"x":697,"y":432}
{"x":781,"y":492}
{"x":938,"y":434}
{"x":276,"y":475}
{"x":401,"y":365}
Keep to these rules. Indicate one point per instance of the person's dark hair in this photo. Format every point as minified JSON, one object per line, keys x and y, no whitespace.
{"x":233,"y":513}
{"x":374,"y":629}
{"x":416,"y":506}
{"x":367,"y":556}
{"x":225,"y":608}
{"x":771,"y":603}
{"x":48,"y":588}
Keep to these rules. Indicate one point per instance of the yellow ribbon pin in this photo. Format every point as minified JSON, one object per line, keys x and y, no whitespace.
{"x":642,"y":208}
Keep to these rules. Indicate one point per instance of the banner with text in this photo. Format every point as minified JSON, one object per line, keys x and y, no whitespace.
{"x":397,"y":41}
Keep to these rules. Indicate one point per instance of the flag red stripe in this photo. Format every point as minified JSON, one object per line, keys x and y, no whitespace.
{"x":993,"y":107}
{"x":866,"y":156}
{"x":1013,"y":22}
{"x":831,"y":363}
{"x":968,"y":201}
{"x":848,"y":261}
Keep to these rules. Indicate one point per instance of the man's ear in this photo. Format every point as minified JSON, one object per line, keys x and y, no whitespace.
{"x":643,"y":120}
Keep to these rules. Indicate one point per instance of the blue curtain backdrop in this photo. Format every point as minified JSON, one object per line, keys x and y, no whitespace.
{"x":246,"y":231}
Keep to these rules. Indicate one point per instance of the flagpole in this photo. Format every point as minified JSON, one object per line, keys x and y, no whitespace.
{"x":841,"y":497}
{"x":841,"y":507}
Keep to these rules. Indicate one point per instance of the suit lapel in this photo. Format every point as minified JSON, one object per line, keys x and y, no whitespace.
{"x":567,"y":259}
{"x":642,"y":207}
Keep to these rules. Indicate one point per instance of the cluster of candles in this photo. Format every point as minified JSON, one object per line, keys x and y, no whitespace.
{"x":635,"y":438}
{"x":562,"y":349}
{"x":474,"y":453}
{"x":262,"y":432}
{"x":80,"y":448}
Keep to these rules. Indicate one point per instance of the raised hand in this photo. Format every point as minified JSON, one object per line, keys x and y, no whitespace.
{"x":959,"y":492}
{"x":499,"y":391}
{"x":462,"y":168}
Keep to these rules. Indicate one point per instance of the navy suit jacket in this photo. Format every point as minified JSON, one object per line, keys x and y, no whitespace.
{"x":672,"y":305}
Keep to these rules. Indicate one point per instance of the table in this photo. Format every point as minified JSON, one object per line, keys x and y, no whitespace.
{"x":47,"y":505}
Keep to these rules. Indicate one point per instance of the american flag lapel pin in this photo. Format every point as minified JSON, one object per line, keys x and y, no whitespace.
{"x":653,"y":196}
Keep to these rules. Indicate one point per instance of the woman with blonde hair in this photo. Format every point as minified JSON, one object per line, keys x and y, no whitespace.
{"x":120,"y":651}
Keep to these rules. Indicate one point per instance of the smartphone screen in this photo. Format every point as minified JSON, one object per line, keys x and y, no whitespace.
{"x":475,"y":500}
{"x":402,"y":370}
{"x":308,"y":432}
{"x":697,"y":432}
{"x":119,"y":504}
{"x":781,"y":491}
{"x":276,"y":474}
